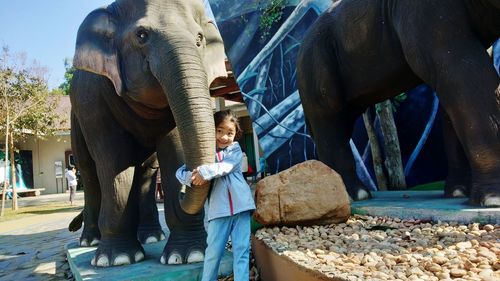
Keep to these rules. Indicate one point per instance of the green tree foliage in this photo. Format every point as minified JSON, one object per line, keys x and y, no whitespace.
{"x":270,"y":14}
{"x":68,"y":77}
{"x":25,"y":105}
{"x":57,"y":92}
{"x":25,"y":98}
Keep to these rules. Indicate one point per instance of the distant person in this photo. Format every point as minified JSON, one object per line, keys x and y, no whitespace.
{"x":230,"y":200}
{"x":72,"y":182}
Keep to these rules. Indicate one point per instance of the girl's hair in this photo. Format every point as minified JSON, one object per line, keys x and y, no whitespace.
{"x":221,"y":116}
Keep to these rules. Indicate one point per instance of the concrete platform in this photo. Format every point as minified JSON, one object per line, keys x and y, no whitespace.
{"x":149,"y":269}
{"x":426,"y":205}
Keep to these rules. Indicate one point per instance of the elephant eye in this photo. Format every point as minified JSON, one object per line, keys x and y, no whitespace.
{"x":142,"y":36}
{"x":199,"y":39}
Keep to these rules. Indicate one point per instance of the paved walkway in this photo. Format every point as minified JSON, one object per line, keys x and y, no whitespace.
{"x":32,"y":248}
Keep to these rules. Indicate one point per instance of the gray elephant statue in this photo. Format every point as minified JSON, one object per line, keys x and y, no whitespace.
{"x":140,"y":96}
{"x":359,"y":53}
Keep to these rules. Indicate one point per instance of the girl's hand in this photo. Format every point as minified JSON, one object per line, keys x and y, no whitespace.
{"x":197,"y":179}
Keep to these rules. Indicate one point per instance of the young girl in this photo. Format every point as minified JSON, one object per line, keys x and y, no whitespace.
{"x":230,"y":202}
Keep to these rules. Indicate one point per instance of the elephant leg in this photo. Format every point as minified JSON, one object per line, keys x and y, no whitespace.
{"x":475,"y":115}
{"x":328,"y":116}
{"x":92,"y":192}
{"x":454,"y":63}
{"x":115,"y":154}
{"x":149,"y":230}
{"x":187,"y":240}
{"x":332,"y":137}
{"x":118,"y":218}
{"x":458,"y":181}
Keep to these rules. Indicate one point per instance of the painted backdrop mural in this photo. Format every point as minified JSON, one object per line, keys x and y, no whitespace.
{"x":262,"y":38}
{"x":263,"y":60}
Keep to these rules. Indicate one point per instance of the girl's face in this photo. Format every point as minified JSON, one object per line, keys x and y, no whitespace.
{"x":225,"y":133}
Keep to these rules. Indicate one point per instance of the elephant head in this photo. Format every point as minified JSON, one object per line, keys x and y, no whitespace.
{"x":161,"y":56}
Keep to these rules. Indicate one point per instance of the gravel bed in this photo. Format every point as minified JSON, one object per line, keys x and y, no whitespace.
{"x":380,"y":248}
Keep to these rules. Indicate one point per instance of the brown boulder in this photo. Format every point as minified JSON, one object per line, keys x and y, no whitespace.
{"x":305,"y":194}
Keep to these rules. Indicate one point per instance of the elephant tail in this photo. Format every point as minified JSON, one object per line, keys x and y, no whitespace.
{"x":76,"y":223}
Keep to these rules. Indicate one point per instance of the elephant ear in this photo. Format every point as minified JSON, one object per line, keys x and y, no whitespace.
{"x":96,"y":51}
{"x":214,"y":53}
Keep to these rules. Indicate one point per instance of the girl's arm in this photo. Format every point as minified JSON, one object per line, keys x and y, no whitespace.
{"x":230,"y":162}
{"x":183,"y":175}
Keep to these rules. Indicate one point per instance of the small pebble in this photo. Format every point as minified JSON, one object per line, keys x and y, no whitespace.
{"x":376,"y":248}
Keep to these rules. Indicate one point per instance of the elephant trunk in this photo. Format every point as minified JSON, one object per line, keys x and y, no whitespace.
{"x":184,"y":81}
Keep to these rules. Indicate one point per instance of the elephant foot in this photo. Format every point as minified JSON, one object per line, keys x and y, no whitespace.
{"x":117,"y":251}
{"x":180,"y":250}
{"x":359,"y":192}
{"x":455,"y":191}
{"x":175,"y":257}
{"x":147,"y":235}
{"x":90,"y":237}
{"x":485,"y":195}
{"x":457,"y":187}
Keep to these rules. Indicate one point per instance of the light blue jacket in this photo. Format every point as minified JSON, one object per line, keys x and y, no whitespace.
{"x":230,"y":192}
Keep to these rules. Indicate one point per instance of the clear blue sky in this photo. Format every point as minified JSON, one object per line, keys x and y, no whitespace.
{"x":45,"y":30}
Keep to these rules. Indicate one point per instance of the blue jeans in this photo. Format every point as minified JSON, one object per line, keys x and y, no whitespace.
{"x":238,"y":226}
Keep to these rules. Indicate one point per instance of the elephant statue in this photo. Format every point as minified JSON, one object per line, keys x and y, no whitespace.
{"x":359,"y":53}
{"x":140,"y":97}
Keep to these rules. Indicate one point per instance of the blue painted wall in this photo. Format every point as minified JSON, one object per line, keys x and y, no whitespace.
{"x":264,"y":63}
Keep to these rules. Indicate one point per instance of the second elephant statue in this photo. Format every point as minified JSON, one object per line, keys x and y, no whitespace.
{"x":143,"y":69}
{"x":362,"y":52}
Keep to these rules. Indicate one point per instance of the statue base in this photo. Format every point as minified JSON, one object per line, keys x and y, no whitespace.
{"x":424,"y":205}
{"x":150,"y":269}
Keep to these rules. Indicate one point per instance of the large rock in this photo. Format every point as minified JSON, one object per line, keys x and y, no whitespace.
{"x":305,"y":194}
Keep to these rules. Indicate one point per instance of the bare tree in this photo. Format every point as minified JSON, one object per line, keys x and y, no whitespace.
{"x":25,"y":109}
{"x":376,"y":153}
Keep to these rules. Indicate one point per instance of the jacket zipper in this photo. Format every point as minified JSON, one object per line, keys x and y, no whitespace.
{"x":219,"y":159}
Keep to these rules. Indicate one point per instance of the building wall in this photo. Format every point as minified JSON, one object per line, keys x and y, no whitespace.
{"x":45,"y":154}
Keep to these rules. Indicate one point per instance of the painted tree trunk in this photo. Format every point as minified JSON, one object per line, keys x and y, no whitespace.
{"x":375,"y":148}
{"x":393,"y":162}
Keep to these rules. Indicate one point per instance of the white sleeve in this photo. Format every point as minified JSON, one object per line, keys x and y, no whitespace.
{"x":183,"y":175}
{"x":231,"y":162}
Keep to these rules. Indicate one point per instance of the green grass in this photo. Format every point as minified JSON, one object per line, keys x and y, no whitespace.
{"x":49,"y":208}
{"x":438,"y":185}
